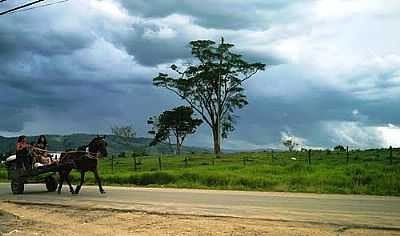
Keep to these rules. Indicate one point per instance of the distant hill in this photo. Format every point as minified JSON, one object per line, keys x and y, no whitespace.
{"x":116,"y":145}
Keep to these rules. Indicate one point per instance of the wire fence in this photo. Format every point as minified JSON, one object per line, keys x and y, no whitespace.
{"x":369,"y":171}
{"x":114,"y":164}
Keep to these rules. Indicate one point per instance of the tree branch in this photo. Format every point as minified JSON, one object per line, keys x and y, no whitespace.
{"x":201,"y":112}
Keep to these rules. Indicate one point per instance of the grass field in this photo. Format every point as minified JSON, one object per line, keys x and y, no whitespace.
{"x":367,"y":172}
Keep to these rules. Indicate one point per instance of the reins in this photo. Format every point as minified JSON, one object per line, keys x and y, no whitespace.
{"x":91,"y":154}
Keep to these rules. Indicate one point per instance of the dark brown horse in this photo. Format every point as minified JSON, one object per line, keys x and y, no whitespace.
{"x":82,"y":160}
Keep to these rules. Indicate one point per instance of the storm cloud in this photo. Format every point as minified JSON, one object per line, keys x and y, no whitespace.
{"x":332,"y":77}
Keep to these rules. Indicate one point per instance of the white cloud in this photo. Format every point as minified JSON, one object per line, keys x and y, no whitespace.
{"x":102,"y":56}
{"x":300,"y":142}
{"x":108,"y":8}
{"x":348,"y":46}
{"x":235,"y":144}
{"x":356,"y":135}
{"x":390,"y":135}
{"x":339,"y":9}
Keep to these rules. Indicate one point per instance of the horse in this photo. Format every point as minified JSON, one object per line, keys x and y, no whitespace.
{"x":84,"y":159}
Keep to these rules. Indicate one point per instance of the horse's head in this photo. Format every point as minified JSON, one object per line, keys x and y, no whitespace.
{"x":99,"y":145}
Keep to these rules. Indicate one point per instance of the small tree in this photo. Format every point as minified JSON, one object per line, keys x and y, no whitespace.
{"x":159,"y":135}
{"x":213,"y":86}
{"x":289,"y":143}
{"x":177,"y":123}
{"x":121,"y":154}
{"x":125,"y":133}
{"x":339,"y":148}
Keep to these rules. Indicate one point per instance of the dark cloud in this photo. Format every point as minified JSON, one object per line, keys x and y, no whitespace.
{"x":80,"y":101}
{"x":145,"y":41}
{"x":223,"y":14}
{"x":82,"y":71}
{"x":13,"y":118}
{"x":301,"y":117}
{"x":154,"y":51}
{"x":306,"y":116}
{"x":57,"y":89}
{"x":17,"y":37}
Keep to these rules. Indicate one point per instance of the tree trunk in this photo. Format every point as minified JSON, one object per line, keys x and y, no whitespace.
{"x":217,"y":143}
{"x":171,"y":149}
{"x":217,"y":135}
{"x":178,"y":146}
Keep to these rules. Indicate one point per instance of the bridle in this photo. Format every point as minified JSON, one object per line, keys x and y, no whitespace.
{"x":94,"y":142}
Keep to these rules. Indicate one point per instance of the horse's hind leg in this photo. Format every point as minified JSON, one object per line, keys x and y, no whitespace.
{"x":96,"y":175}
{"x":71,"y":189}
{"x":62,"y":176}
{"x":78,"y":188}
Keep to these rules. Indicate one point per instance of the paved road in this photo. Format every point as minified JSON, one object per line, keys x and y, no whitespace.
{"x":346,"y":210}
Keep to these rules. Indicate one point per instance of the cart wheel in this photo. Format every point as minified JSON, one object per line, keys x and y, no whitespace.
{"x":17,"y":187}
{"x":51,"y":184}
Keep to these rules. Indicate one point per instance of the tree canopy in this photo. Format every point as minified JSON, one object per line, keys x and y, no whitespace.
{"x":290,"y":143}
{"x":213,"y":85}
{"x":339,"y":148}
{"x":178,"y":122}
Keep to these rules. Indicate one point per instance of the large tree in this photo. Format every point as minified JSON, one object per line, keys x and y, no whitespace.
{"x":212,"y":85}
{"x":178,"y":123}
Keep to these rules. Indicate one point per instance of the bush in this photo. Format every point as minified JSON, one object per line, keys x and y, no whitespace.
{"x":339,"y":148}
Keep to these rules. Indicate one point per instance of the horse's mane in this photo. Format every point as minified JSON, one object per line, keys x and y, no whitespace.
{"x":82,"y":148}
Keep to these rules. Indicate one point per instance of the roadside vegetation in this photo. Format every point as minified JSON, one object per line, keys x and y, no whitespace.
{"x":367,"y":172}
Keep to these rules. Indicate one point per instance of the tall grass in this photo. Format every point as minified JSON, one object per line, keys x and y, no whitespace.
{"x":368,"y":172}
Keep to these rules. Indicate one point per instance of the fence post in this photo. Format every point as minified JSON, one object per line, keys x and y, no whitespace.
{"x":244,"y":161}
{"x":272,"y":155}
{"x":159,"y":163}
{"x":309,"y":156}
{"x":112,"y":164}
{"x":347,"y":154}
{"x":134,"y":163}
{"x":391,"y":155}
{"x":186,"y":162}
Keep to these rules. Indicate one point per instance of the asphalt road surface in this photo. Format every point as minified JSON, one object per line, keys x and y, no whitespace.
{"x":342,"y":210}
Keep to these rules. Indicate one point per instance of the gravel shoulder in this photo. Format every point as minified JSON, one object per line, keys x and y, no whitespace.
{"x":157,"y":211}
{"x":51,"y":220}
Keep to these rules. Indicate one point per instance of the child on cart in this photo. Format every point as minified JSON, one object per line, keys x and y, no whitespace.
{"x":40,"y":154}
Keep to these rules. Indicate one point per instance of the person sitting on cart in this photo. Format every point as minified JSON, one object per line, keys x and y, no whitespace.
{"x":23,"y":156}
{"x":40,"y":155}
{"x":41,"y":142}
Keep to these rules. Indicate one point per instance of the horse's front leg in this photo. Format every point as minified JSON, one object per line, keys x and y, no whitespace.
{"x":78,"y":188}
{"x":96,"y":175}
{"x":71,"y":189}
{"x":62,"y":176}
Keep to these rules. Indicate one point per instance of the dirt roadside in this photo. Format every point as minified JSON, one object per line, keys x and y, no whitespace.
{"x":51,"y":220}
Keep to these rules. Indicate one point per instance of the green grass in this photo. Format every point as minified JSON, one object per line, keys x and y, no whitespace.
{"x":368,"y":172}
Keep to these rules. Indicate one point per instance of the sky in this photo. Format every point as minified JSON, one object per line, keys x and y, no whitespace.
{"x":332,"y":76}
